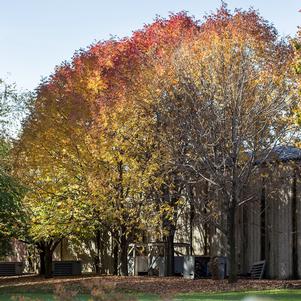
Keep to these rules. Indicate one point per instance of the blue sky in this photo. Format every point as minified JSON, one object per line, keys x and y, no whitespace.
{"x":37,"y":35}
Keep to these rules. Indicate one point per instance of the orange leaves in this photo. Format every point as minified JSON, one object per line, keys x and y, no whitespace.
{"x":242,"y":26}
{"x":102,"y":109}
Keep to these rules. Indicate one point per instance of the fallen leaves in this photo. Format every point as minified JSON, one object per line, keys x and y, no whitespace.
{"x":154,"y":285}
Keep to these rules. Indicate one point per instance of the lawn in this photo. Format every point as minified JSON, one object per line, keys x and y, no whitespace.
{"x":280,"y":295}
{"x":277,"y":295}
{"x":116,"y":288}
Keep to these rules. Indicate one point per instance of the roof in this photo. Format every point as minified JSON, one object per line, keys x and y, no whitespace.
{"x":287,"y":153}
{"x":282,"y":153}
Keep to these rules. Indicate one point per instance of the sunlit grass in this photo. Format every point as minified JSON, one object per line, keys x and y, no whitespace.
{"x":277,"y":295}
{"x":280,"y":295}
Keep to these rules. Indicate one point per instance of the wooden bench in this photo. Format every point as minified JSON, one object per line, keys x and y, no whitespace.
{"x":257,"y":269}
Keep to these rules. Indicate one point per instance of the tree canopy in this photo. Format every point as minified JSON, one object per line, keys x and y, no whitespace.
{"x":118,"y":137}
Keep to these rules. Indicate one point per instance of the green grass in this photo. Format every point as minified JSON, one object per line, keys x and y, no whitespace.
{"x":277,"y":295}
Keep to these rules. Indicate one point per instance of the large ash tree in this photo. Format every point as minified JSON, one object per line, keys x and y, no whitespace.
{"x":224,"y":104}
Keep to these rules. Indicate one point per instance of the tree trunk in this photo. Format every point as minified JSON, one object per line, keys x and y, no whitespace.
{"x":206,"y":234}
{"x":48,"y":262}
{"x":104,"y":253}
{"x":123,"y":252}
{"x":42,"y":263}
{"x":169,"y":251}
{"x":115,"y":252}
{"x":170,"y":228}
{"x":206,"y":226}
{"x":232,"y":244}
{"x":245,"y":241}
{"x":97,"y":255}
{"x":191,"y":219}
{"x":46,"y":250}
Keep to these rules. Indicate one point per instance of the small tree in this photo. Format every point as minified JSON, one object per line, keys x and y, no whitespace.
{"x":13,"y":108}
{"x":11,"y":192}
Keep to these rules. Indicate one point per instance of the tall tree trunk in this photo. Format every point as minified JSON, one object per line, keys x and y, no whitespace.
{"x":169,"y":248}
{"x":115,"y":252}
{"x":97,"y":255}
{"x":232,"y":244}
{"x":123,"y":252}
{"x":206,"y":234}
{"x":233,"y":201}
{"x":171,"y":252}
{"x":245,"y":242}
{"x":206,"y":225}
{"x":46,"y":250}
{"x":42,"y":263}
{"x":104,"y":253}
{"x":48,"y":261}
{"x":191,"y":219}
{"x":171,"y":197}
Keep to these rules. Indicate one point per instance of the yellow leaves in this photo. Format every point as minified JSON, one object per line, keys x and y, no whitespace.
{"x":180,"y":201}
{"x":167,"y":211}
{"x":59,"y":204}
{"x":160,"y":70}
{"x":264,"y":174}
{"x":109,"y":63}
{"x":296,"y":115}
{"x":96,"y":84}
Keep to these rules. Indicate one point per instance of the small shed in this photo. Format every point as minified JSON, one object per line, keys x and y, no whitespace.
{"x":150,"y":258}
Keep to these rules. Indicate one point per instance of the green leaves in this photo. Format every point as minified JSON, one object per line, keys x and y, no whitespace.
{"x":14,"y":107}
{"x":11,"y":193}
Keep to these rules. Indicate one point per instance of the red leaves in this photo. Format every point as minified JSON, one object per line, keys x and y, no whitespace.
{"x":241,"y":23}
{"x":116,"y":60}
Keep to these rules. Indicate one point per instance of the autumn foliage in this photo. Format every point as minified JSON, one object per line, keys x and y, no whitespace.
{"x":115,"y":138}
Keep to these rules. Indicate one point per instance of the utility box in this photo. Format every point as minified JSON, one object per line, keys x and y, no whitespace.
{"x":11,"y":268}
{"x":196,"y":267}
{"x":155,"y":266}
{"x":66,"y":268}
{"x":218,"y":267}
{"x":179,"y":265}
{"x":161,"y":266}
{"x":141,"y":265}
{"x":222,"y":267}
